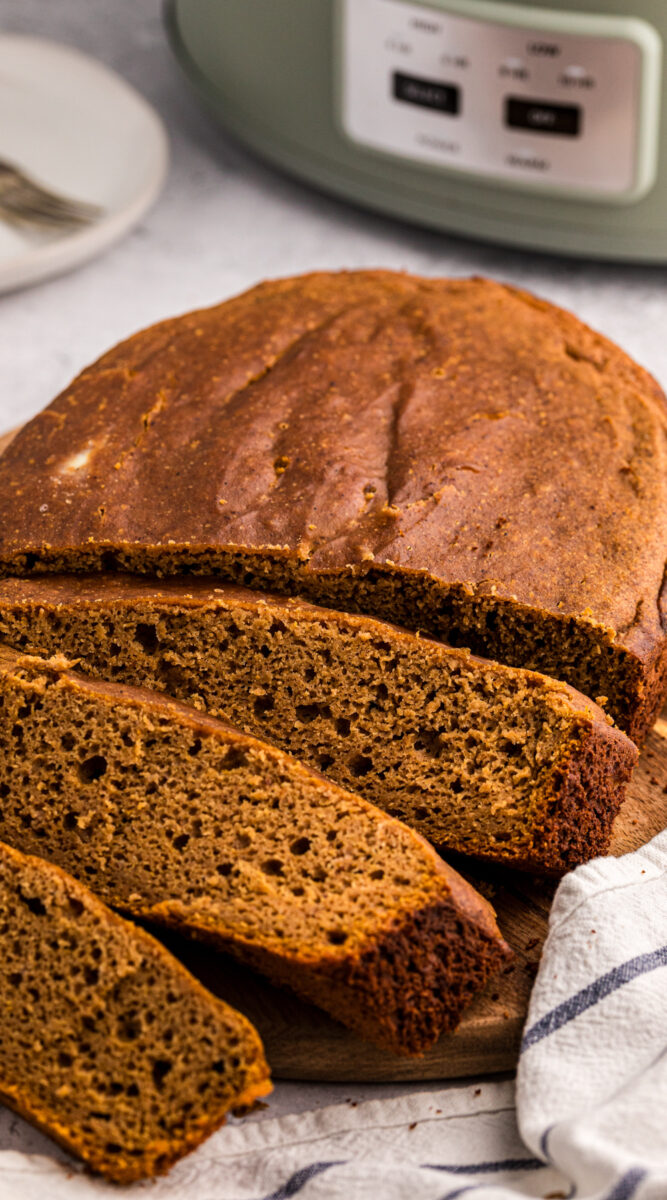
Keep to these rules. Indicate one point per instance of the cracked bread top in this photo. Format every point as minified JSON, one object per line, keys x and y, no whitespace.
{"x":460,"y":431}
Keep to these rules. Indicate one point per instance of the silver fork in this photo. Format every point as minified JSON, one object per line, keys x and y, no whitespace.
{"x":23,"y":201}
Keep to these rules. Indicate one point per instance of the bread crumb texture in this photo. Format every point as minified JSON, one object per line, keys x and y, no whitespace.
{"x":482,"y":759}
{"x":178,"y":818}
{"x":108,"y":1044}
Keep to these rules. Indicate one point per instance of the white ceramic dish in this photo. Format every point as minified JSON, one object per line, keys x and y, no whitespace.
{"x":80,"y":129}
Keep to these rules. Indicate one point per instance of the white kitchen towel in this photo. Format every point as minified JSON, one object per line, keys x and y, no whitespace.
{"x":591,"y":1096}
{"x":592,"y":1080}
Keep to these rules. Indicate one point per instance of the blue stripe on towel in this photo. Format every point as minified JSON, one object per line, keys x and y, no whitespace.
{"x":626,"y":1187}
{"x":300,"y":1178}
{"x":460,"y":1192}
{"x":591,"y":995}
{"x":503,"y":1164}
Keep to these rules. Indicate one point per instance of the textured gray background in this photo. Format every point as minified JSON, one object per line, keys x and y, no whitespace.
{"x":223,"y":222}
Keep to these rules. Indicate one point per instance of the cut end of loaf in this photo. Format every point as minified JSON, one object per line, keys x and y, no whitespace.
{"x":432,"y":965}
{"x":109,"y":1045}
{"x":406,"y":984}
{"x":587,"y":790}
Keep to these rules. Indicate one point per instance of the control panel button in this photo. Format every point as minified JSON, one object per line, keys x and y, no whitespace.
{"x":542,"y":117}
{"x":427,"y":93}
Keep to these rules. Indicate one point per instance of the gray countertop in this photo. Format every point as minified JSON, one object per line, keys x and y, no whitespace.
{"x":223,"y":222}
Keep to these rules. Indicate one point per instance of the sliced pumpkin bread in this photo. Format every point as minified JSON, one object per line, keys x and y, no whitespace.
{"x":179,"y":818}
{"x":483,"y":759}
{"x":108,"y":1044}
{"x":454,"y":455}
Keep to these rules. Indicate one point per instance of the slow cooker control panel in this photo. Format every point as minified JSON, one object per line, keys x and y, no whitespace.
{"x":565,"y":101}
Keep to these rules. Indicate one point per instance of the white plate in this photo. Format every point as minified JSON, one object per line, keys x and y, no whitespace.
{"x":79,"y":128}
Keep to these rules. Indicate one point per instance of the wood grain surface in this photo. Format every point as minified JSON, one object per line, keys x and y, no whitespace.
{"x":303,"y":1043}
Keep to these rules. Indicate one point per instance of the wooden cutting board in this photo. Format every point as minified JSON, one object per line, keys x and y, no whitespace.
{"x":303,"y":1043}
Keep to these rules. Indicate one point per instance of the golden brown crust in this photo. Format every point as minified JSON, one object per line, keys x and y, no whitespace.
{"x":500,"y":478}
{"x":159,"y":1157}
{"x":156,"y":1154}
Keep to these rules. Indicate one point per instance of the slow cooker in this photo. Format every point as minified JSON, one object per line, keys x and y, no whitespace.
{"x":525,"y":123}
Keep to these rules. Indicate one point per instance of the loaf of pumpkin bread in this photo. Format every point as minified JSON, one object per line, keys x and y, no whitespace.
{"x":179,"y":818}
{"x":108,"y":1044}
{"x":482,"y":759}
{"x":455,"y":456}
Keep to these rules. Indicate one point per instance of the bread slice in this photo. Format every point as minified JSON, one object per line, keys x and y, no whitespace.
{"x":108,"y":1044}
{"x":181,"y":819}
{"x":453,"y":455}
{"x":482,"y":759}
